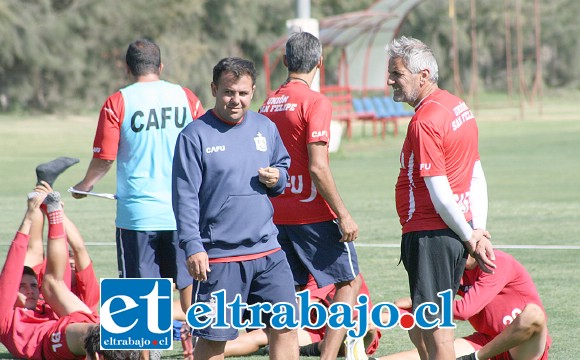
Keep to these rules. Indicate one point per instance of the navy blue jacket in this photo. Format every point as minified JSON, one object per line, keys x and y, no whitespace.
{"x":219,"y":204}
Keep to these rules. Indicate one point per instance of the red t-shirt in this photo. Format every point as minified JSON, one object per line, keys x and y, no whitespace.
{"x":441,"y":141}
{"x":490,"y":302}
{"x":302,"y":116}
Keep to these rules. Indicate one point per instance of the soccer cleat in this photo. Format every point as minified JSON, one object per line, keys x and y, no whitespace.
{"x":310,"y":350}
{"x":471,"y":356}
{"x":51,"y":170}
{"x":263,"y":351}
{"x":354,"y":349}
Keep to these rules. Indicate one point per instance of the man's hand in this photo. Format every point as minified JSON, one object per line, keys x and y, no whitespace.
{"x":269,"y":176}
{"x":479,"y":246}
{"x":348,"y":228}
{"x":404,"y":303}
{"x":82,"y":187}
{"x":198,"y":266}
{"x":36,"y":197}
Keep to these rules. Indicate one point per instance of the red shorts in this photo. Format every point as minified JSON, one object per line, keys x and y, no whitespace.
{"x":478,"y":340}
{"x":54,"y":346}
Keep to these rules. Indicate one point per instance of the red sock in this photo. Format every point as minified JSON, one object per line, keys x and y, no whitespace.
{"x":55,"y":224}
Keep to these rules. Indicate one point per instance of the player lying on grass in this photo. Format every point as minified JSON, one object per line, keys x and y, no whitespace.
{"x":309,"y":339}
{"x":60,"y":326}
{"x":80,"y":275}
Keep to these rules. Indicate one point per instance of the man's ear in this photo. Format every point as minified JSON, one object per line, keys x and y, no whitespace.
{"x":213,"y":89}
{"x":161,"y":68}
{"x":425,"y":75}
{"x":285,"y":61}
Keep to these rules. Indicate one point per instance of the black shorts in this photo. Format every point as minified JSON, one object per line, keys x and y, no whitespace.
{"x":435,"y":261}
{"x":151,"y":254}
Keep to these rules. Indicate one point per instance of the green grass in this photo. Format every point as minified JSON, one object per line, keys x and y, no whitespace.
{"x":532,"y":169}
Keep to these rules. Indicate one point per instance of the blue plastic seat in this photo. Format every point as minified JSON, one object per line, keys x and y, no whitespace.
{"x":397,"y":107}
{"x":380,"y":108}
{"x":390,"y":104}
{"x":358,"y":106}
{"x":368,"y":105}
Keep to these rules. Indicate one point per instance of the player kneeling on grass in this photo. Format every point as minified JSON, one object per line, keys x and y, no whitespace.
{"x":505,"y":310}
{"x":61,"y":328}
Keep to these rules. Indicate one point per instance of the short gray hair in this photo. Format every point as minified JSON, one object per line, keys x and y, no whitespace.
{"x":416,"y":56}
{"x":303,"y":51}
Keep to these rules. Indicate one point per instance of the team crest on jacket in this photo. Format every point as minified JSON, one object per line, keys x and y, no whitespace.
{"x":260,"y":143}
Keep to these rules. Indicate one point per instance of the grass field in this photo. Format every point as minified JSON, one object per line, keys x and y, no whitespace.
{"x":532,"y":168}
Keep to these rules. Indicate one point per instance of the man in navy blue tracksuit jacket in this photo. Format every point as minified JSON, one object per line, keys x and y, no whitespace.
{"x":226,"y":165}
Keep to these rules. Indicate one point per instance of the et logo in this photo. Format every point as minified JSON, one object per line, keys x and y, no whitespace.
{"x":136,"y":314}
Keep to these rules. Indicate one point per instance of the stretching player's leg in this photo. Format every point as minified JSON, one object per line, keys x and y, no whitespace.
{"x":35,"y":249}
{"x":77,"y":244}
{"x":54,"y":288}
{"x":524,"y":338}
{"x":83,"y":280}
{"x":247,"y":343}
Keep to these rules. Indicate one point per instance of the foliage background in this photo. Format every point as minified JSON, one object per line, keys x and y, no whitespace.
{"x":531,"y":170}
{"x":63,"y":56}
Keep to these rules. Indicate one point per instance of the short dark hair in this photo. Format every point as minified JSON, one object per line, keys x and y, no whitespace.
{"x":237,"y":66}
{"x":27,"y":270}
{"x":92,"y":345}
{"x":143,"y":57}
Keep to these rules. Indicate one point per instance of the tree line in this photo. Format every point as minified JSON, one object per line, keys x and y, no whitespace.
{"x":68,"y":55}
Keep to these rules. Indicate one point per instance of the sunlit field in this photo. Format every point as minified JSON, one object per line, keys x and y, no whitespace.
{"x":531,"y":161}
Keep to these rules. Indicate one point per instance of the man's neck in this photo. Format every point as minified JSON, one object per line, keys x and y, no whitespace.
{"x":147,"y":78}
{"x":304,"y":78}
{"x":429,"y":89}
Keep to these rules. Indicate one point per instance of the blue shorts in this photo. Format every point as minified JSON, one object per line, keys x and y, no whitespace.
{"x":262,"y":280}
{"x":435,"y":261}
{"x":315,"y":249}
{"x":151,"y":254}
